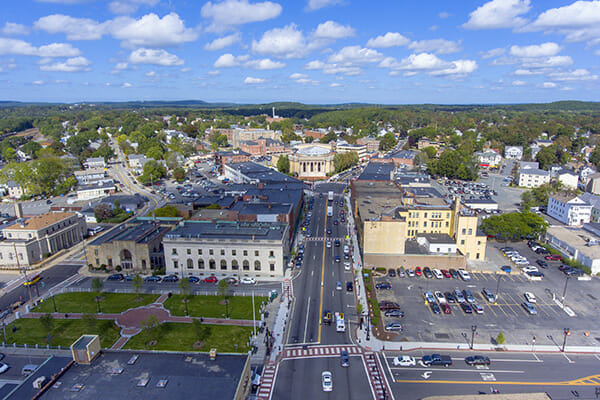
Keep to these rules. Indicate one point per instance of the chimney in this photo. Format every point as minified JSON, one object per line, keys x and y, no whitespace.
{"x":18,"y":210}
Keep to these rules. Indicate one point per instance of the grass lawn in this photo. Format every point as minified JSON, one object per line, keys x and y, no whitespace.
{"x":175,"y":336}
{"x":84,"y":302}
{"x":65,"y":332}
{"x":240,"y":307}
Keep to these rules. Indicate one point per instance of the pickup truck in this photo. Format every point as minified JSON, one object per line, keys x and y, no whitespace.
{"x":436,"y":359}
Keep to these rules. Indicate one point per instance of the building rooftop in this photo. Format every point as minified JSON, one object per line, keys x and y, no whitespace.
{"x":152,"y":376}
{"x":533,"y":171}
{"x":564,"y":197}
{"x":41,"y":221}
{"x":140,"y":233}
{"x":100,"y":184}
{"x":90,"y":171}
{"x":405,"y":154}
{"x":263,"y":174}
{"x":236,"y":230}
{"x":249,"y":208}
{"x":438,"y":238}
{"x":95,"y":159}
{"x":313,"y":151}
{"x":377,"y":172}
{"x":578,"y":238}
{"x":83,"y":342}
{"x":479,"y":201}
{"x":375,"y":199}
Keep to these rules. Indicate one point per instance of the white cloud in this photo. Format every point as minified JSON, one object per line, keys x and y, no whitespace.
{"x":75,"y":64}
{"x":154,"y":56}
{"x":58,"y":50}
{"x":440,"y":46}
{"x":126,"y":85}
{"x":519,"y":83}
{"x":231,"y":13}
{"x":10,"y":28}
{"x":549,"y":85}
{"x":458,"y":68}
{"x":573,"y":75}
{"x":316,"y":64}
{"x":578,"y":21}
{"x":73,"y":28}
{"x":492,"y":53}
{"x":355,"y":55}
{"x":317,"y":4}
{"x":498,"y":14}
{"x":548,"y":62}
{"x":222,"y":42}
{"x":306,"y":81}
{"x":297,"y":75}
{"x":121,"y":66}
{"x":390,"y":39}
{"x":151,"y":74}
{"x":540,"y":50}
{"x":333,"y":30}
{"x":333,"y":68}
{"x":254,"y":81}
{"x":152,"y":31}
{"x":37,"y":83}
{"x":213,"y":73}
{"x":129,"y":6}
{"x":65,"y":1}
{"x":431,"y":64}
{"x":287,"y":42}
{"x":444,"y":15}
{"x":227,"y":60}
{"x":264,"y":64}
{"x":526,"y":72}
{"x":335,"y":84}
{"x":16,"y":46}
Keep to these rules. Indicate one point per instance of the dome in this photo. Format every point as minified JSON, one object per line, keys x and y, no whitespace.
{"x":313,"y":151}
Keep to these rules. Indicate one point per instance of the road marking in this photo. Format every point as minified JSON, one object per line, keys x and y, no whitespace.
{"x":516,"y":360}
{"x":592,"y":380}
{"x":568,"y":359}
{"x":306,"y":322}
{"x":487,"y":376}
{"x":426,"y":374}
{"x":425,"y":368}
{"x":322,"y":277}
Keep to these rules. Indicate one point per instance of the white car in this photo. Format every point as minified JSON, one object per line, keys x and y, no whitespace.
{"x":3,"y":368}
{"x":404,"y":361}
{"x":529,"y":268}
{"x":437,"y":273}
{"x":530,"y":297}
{"x":464,"y":275}
{"x":328,"y":244}
{"x":439,"y":297}
{"x":247,"y":280}
{"x":347,"y":265}
{"x":327,"y":381}
{"x":521,"y":261}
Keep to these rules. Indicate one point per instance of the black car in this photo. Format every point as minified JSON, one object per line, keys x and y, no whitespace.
{"x":449,"y":297}
{"x":337,"y":259}
{"x":453,"y":273}
{"x":388,"y":305}
{"x":337,"y":243}
{"x":435,"y":308}
{"x":171,"y":278}
{"x":116,"y":277}
{"x":383,"y":286}
{"x":542,"y":263}
{"x":477,"y":360}
{"x":329,"y":231}
{"x":152,"y":278}
{"x":349,"y":286}
{"x":394,"y":313}
{"x":427,"y":273}
{"x":326,"y":317}
{"x":344,"y":358}
{"x":391,"y":273}
{"x":466,"y":308}
{"x":335,"y":221}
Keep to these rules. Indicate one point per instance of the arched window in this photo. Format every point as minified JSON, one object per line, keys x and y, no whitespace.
{"x":200,"y":264}
{"x":234,"y":265}
{"x":190,"y":263}
{"x":223,"y":264}
{"x":246,"y":265}
{"x":212,"y":264}
{"x":257,"y":265}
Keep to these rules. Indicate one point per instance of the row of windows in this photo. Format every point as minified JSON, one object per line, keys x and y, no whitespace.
{"x":462,"y":242}
{"x":464,"y":231}
{"x":414,"y":232}
{"x":233,"y":252}
{"x":434,"y":224}
{"x":212,"y":264}
{"x":437,"y":214}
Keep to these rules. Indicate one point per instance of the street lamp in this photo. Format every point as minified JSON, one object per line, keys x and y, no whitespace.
{"x":473,"y":330}
{"x":368,"y":324}
{"x":565,"y":291}
{"x":533,"y":344}
{"x":566,"y":332}
{"x":54,"y":303}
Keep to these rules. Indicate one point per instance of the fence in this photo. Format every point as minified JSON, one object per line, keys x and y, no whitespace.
{"x":201,"y":292}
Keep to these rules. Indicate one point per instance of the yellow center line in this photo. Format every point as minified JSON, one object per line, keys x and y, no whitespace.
{"x":134,"y":189}
{"x":323,"y":271}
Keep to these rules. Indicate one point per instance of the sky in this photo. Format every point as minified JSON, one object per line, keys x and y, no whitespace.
{"x":311,"y":51}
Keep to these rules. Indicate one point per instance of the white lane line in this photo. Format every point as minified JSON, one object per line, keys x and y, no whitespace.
{"x":306,"y":321}
{"x":516,"y":360}
{"x":568,"y":359}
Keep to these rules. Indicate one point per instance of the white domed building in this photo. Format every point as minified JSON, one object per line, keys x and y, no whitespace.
{"x":312,"y":161}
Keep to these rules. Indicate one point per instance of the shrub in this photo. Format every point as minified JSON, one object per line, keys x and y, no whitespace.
{"x":368,"y":287}
{"x":118,"y":268}
{"x":376,"y":311}
{"x":159,"y":271}
{"x":380,"y":269}
{"x":500,"y":338}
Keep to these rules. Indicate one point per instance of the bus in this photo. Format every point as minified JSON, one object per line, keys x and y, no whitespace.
{"x":340,"y":325}
{"x":330,"y":196}
{"x":33,"y":279}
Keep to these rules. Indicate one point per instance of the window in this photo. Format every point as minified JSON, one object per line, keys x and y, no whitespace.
{"x":233,"y":252}
{"x":256,"y":253}
{"x":190,"y":263}
{"x":462,"y":241}
{"x":245,"y":252}
{"x":447,"y":224}
{"x":464,"y":231}
{"x":200,"y":264}
{"x":212,"y":264}
{"x":97,"y":260}
{"x":470,"y":231}
{"x":425,"y":215}
{"x":246,"y":265}
{"x":210,"y":252}
{"x":257,"y":265}
{"x":199,"y":252}
{"x":95,"y":252}
{"x":425,"y":224}
{"x":271,"y":253}
{"x":174,"y":251}
{"x":223,"y":264}
{"x":222,"y":252}
{"x":477,"y":256}
{"x":234,"y":265}
{"x":189,"y":251}
{"x":272,"y":267}
{"x":175,"y":264}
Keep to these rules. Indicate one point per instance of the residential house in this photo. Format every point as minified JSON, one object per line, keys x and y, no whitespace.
{"x":569,"y":209}
{"x":95,"y":162}
{"x":595,"y":202}
{"x":593,"y":183}
{"x":585,"y":171}
{"x":532,"y":177}
{"x":99,"y":188}
{"x":89,"y":175}
{"x":513,"y":152}
{"x":488,"y":158}
{"x":15,"y":190}
{"x":567,"y":178}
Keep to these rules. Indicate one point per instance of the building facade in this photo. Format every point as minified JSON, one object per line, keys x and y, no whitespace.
{"x":312,"y":161}
{"x":513,"y":152}
{"x":532,"y":177}
{"x":569,"y":209}
{"x":226,"y":248}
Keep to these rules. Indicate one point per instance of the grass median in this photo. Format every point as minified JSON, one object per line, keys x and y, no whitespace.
{"x":85,"y":302}
{"x":240,"y":307}
{"x":64,"y":332}
{"x":173,"y":336}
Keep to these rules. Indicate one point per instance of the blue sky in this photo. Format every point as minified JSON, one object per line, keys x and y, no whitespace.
{"x":312,"y":51}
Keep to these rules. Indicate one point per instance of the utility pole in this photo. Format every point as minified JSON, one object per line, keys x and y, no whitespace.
{"x":565,"y":292}
{"x":473,"y":330}
{"x":566,"y":332}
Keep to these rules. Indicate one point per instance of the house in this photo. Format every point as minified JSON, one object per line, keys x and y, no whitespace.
{"x":567,"y":178}
{"x":578,"y":244}
{"x":372,"y":144}
{"x":569,"y":209}
{"x":513,"y":152}
{"x":585,"y":171}
{"x":543,"y":142}
{"x":99,"y":188}
{"x":15,"y":190}
{"x":488,"y":158}
{"x":535,"y":149}
{"x":402,"y":158}
{"x":532,"y":177}
{"x":593,"y":183}
{"x":595,"y":202}
{"x":360,"y":149}
{"x":89,"y":175}
{"x":95,"y":162}
{"x":529,"y":164}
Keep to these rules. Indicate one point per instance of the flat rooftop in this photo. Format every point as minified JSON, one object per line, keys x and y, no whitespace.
{"x":578,"y":238}
{"x":377,"y":172}
{"x":236,"y":230}
{"x":375,"y":199}
{"x":185,"y":376}
{"x":140,"y":233}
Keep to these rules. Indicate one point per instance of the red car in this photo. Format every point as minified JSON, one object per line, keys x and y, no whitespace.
{"x":211,"y":279}
{"x":446,"y":308}
{"x":418,"y":271}
{"x":553,"y":257}
{"x":446,"y":273}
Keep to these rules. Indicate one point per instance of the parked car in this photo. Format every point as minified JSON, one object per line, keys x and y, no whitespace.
{"x":435,"y":308}
{"x":446,"y":273}
{"x":530,"y":297}
{"x":392,"y":273}
{"x":446,"y":308}
{"x":437,"y":273}
{"x":427,"y":273}
{"x":466,"y":308}
{"x":529,"y":308}
{"x":401,"y":273}
{"x":468,"y":296}
{"x":171,"y":278}
{"x":477,"y":360}
{"x":388,"y":305}
{"x":410,"y":272}
{"x":404,"y":361}
{"x":393,"y":326}
{"x":488,"y":295}
{"x":152,"y":278}
{"x":383,"y":286}
{"x":439,"y":296}
{"x":437,"y":359}
{"x":211,"y":279}
{"x":116,"y":277}
{"x":478,"y":309}
{"x":553,"y":257}
{"x":459,"y":296}
{"x":429,"y":297}
{"x":453,"y":273}
{"x":418,"y":271}
{"x":231,"y":280}
{"x":450,"y":297}
{"x":464,"y":275}
{"x":349,"y":286}
{"x":193,"y":279}
{"x":506,"y":268}
{"x":542,"y":263}
{"x":394,"y":313}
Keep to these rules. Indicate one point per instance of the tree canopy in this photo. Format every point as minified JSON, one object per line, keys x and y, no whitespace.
{"x":514,"y":226}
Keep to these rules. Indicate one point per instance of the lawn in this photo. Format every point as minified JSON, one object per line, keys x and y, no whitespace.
{"x":84,"y":302}
{"x":175,"y":336}
{"x":65,"y":332}
{"x":240,"y":307}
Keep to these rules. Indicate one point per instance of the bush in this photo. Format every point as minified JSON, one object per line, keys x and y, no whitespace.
{"x":368,"y":287}
{"x":159,"y":271}
{"x":380,"y":269}
{"x":500,"y":338}
{"x":118,"y":268}
{"x":47,"y":254}
{"x":376,"y":311}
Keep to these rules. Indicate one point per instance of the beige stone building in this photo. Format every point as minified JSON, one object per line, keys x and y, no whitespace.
{"x":312,"y":161}
{"x":28,"y":241}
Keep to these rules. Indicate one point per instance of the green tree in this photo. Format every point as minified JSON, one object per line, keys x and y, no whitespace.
{"x":202,"y":331}
{"x":430,"y":151}
{"x":31,"y":148}
{"x":387,"y":142}
{"x":172,"y":160}
{"x":329,"y":137}
{"x":155,"y":152}
{"x":595,"y":157}
{"x":136,"y":282}
{"x":103,"y":211}
{"x":309,"y":139}
{"x":514,"y":226}
{"x":151,"y":328}
{"x":167,"y":211}
{"x":343,"y":161}
{"x":500,"y":338}
{"x":186,"y":289}
{"x":9,"y":154}
{"x":104,"y":151}
{"x":223,"y":291}
{"x":283,"y":164}
{"x":179,"y":174}
{"x":97,"y":288}
{"x":153,"y":171}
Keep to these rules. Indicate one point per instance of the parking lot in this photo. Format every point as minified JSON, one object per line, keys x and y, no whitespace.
{"x":506,"y":315}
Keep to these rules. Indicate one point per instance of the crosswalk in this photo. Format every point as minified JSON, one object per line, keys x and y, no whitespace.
{"x":320,"y":351}
{"x":267,"y":382}
{"x":378,"y":383}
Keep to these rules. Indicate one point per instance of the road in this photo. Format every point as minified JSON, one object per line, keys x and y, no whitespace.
{"x":556,"y":374}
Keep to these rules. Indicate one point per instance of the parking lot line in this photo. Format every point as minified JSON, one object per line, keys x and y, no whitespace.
{"x":516,"y":303}
{"x":492,"y":309}
{"x":553,"y":307}
{"x":501,"y":309}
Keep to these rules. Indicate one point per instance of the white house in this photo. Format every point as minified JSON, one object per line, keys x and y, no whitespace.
{"x":88,"y":175}
{"x":489,"y":158}
{"x":585,"y":172}
{"x":569,"y":209}
{"x":595,"y":202}
{"x":532,"y":177}
{"x":529,"y":164}
{"x":535,"y":149}
{"x":94,"y":162}
{"x":513,"y":152}
{"x":567,"y":178}
{"x":99,"y":188}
